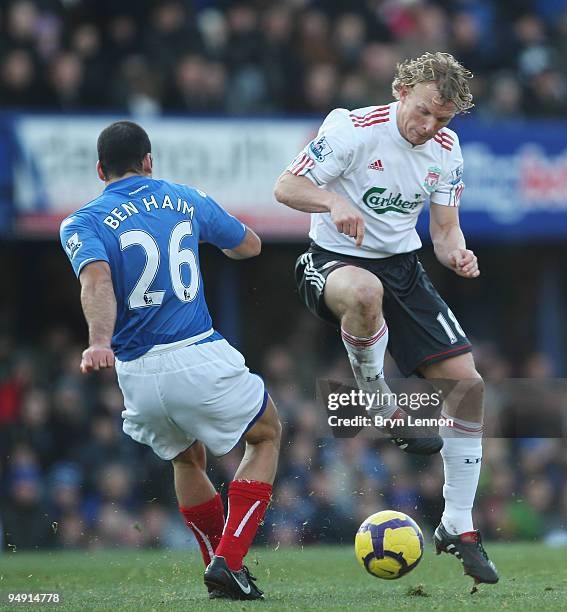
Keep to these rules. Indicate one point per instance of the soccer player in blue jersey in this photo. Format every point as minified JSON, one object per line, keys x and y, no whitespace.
{"x":135,"y":250}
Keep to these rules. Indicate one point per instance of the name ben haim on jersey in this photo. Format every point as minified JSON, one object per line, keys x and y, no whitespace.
{"x":117,"y":216}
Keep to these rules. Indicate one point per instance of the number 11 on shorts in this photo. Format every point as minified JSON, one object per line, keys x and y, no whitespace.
{"x":448,"y":330}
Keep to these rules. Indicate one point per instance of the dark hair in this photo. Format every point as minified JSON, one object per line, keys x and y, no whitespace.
{"x":121,"y":148}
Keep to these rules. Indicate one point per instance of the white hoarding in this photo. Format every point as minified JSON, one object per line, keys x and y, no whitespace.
{"x":237,"y":162}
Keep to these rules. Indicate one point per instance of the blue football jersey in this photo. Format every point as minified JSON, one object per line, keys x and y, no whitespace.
{"x":148,"y":231}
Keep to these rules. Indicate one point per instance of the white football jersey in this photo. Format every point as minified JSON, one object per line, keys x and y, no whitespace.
{"x":362,"y":156}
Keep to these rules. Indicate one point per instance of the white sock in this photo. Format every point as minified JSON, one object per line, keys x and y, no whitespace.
{"x":462,"y":458}
{"x":366,"y":357}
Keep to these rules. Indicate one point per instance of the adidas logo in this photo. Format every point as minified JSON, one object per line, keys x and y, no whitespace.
{"x":376,"y":165}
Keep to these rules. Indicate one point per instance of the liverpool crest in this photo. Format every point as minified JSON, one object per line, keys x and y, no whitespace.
{"x":432,"y":178}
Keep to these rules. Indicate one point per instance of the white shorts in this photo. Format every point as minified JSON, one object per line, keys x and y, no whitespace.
{"x":176,"y":396}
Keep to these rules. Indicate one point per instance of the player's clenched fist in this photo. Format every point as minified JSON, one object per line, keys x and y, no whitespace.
{"x":96,"y":358}
{"x":464,"y":263}
{"x":347,"y":219}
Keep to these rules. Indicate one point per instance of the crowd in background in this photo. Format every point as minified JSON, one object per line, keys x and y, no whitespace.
{"x":299,"y":56}
{"x":69,"y":477}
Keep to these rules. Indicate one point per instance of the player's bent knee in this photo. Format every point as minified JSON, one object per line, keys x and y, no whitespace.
{"x":353,"y":289}
{"x":461,"y":367}
{"x":478,"y":382}
{"x":366,"y":298}
{"x":193,"y":457}
{"x":268,"y":427}
{"x":474,"y":381}
{"x":462,"y":373}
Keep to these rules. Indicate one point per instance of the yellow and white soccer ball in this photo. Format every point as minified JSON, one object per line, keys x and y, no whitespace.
{"x":389,"y":544}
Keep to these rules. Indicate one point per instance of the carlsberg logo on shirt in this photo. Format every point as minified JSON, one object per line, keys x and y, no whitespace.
{"x":380,"y":202}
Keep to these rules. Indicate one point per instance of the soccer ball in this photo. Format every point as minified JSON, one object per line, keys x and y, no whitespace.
{"x":389,"y":544}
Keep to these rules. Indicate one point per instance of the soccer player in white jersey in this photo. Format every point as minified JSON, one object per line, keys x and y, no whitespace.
{"x":135,"y":249}
{"x":365,"y":178}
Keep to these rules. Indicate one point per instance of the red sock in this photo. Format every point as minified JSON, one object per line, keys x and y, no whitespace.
{"x":206,"y":521}
{"x":247,"y":503}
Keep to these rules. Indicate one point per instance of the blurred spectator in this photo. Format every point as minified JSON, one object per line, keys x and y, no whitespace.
{"x":35,"y":427}
{"x":506,"y":100}
{"x":378,"y":67}
{"x":25,"y":523}
{"x":213,"y":27}
{"x":20,"y":85}
{"x":116,"y":528}
{"x":533,"y":51}
{"x":198,"y":86}
{"x":289,"y":514}
{"x":86,"y":43}
{"x":171,"y":35}
{"x":560,"y":41}
{"x":429,"y":31}
{"x":244,"y":44}
{"x":22,"y":24}
{"x":70,"y":418}
{"x":121,"y":38}
{"x":327,"y":523}
{"x":468,"y":44}
{"x":314,"y":38}
{"x":66,"y":83}
{"x":71,"y":534}
{"x":547,"y":95}
{"x":353,"y":92}
{"x":104,"y":447}
{"x":137,"y":88}
{"x":320,"y":88}
{"x":350,"y":38}
{"x":280,"y":61}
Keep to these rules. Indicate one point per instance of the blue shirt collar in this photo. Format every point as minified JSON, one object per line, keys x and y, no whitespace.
{"x":125,"y":182}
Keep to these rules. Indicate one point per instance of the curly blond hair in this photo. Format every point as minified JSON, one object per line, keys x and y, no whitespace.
{"x":443,"y":69}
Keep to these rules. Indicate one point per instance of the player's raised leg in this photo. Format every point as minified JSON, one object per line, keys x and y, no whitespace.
{"x":199,"y":502}
{"x":354,"y":295}
{"x":462,"y":457}
{"x":248,"y":497}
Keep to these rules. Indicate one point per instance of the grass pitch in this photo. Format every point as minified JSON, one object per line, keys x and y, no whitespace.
{"x":533,"y":577}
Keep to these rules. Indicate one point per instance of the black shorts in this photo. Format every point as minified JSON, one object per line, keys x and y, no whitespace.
{"x":422,"y":328}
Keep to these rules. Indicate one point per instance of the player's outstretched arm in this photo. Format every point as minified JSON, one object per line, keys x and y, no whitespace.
{"x":250,"y":246}
{"x":299,"y":193}
{"x":449,"y":241}
{"x":99,"y":306}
